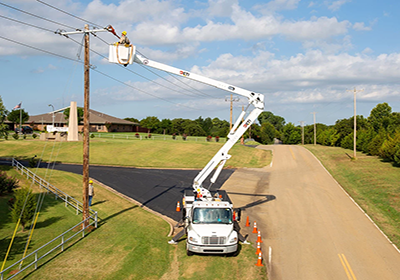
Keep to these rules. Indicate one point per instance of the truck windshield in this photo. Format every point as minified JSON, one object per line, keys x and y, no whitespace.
{"x":212,"y":216}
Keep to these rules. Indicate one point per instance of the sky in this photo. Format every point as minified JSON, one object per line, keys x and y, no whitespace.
{"x":303,"y":56}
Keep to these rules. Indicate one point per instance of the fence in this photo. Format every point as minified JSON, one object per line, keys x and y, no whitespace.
{"x":40,"y":253}
{"x":157,"y":137}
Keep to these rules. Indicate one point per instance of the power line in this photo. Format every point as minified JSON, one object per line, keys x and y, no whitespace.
{"x":82,"y":19}
{"x":28,"y":24}
{"x":62,"y":11}
{"x":28,"y":13}
{"x":104,"y":74}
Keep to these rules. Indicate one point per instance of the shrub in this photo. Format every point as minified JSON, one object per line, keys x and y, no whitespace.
{"x":173,"y":136}
{"x":21,"y":196}
{"x":149,"y":135}
{"x":137,"y":135}
{"x":15,"y":136}
{"x":34,"y":135}
{"x":184,"y":136}
{"x":92,"y":135}
{"x":24,"y":136}
{"x":209,"y":138}
{"x":216,"y":138}
{"x":7,"y":183}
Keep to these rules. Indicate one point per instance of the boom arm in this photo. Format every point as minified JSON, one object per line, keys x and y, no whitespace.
{"x":255,"y":99}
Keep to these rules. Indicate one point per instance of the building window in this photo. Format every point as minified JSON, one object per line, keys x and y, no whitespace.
{"x":99,"y":127}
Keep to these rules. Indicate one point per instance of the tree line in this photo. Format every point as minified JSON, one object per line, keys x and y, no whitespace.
{"x":378,"y":134}
{"x":198,"y":127}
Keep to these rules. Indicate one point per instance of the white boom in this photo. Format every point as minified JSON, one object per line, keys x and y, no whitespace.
{"x":255,"y":99}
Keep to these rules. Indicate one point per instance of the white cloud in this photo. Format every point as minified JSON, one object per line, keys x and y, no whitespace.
{"x":277,"y":5}
{"x":336,"y":5}
{"x":359,"y":26}
{"x":221,"y":8}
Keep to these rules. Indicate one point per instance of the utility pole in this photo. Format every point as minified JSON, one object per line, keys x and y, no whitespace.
{"x":85,"y":201}
{"x":315,"y":129}
{"x":302,"y":132}
{"x":355,"y":123}
{"x":232,"y":99}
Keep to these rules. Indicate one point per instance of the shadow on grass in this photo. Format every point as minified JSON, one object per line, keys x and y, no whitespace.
{"x":99,"y":202}
{"x":103,"y":221}
{"x":17,"y":248}
{"x":48,"y":222}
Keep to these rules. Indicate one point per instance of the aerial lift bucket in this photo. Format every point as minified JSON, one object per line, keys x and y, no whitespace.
{"x":122,"y":54}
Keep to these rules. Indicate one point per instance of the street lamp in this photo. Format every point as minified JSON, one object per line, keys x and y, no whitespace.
{"x":53,"y":114}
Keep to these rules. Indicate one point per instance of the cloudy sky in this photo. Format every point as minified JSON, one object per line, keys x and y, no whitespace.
{"x":304,"y":56}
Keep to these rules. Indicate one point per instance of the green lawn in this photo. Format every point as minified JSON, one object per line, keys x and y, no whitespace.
{"x":130,"y":243}
{"x":145,"y":153}
{"x":372,"y":183}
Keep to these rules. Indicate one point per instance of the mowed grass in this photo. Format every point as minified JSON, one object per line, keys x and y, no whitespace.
{"x":145,"y":153}
{"x":372,"y":183}
{"x":131,"y":243}
{"x":54,"y":219}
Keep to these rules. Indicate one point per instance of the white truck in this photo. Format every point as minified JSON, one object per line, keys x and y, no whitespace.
{"x":208,"y":217}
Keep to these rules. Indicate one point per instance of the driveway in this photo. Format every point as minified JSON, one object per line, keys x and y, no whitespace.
{"x":311,"y":229}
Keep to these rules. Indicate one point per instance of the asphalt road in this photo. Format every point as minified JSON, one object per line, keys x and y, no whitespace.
{"x":158,"y":189}
{"x":311,"y":229}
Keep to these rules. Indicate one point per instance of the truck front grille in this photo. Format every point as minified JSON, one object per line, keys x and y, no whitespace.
{"x":214,"y":240}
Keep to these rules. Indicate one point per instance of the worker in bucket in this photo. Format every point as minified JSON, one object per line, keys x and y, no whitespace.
{"x":91,"y":192}
{"x":124,"y":39}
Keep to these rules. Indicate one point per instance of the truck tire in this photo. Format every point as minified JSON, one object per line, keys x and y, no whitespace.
{"x":189,"y":253}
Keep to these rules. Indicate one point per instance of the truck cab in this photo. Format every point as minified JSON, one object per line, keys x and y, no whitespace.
{"x":210,"y":225}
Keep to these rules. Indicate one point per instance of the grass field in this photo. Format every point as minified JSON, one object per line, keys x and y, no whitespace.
{"x":145,"y":153}
{"x":129,"y":243}
{"x":372,"y":183}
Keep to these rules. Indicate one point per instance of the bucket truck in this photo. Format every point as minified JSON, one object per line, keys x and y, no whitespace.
{"x":208,"y":217}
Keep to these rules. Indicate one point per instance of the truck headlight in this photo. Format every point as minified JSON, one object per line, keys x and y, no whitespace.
{"x":233,"y":240}
{"x":193,"y":239}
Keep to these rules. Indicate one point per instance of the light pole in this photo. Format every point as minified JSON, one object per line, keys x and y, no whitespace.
{"x":53,"y":114}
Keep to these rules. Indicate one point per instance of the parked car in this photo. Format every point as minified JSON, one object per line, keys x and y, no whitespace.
{"x":24,"y":130}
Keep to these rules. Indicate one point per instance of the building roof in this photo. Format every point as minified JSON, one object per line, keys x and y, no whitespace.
{"x":95,"y":117}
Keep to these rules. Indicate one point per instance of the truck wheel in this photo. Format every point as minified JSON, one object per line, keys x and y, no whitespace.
{"x":189,"y":253}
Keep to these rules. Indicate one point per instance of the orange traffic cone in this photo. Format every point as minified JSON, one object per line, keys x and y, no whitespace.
{"x":258,"y":248}
{"x":259,"y":237}
{"x":247,"y":222}
{"x":255,"y":228}
{"x":178,"y":207}
{"x":259,"y":261}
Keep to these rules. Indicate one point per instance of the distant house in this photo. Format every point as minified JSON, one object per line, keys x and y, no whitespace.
{"x":99,"y":122}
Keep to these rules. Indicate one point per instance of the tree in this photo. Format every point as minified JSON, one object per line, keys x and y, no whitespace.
{"x":79,"y":111}
{"x":21,"y":196}
{"x":380,"y":116}
{"x":14,"y":116}
{"x":3,"y":115}
{"x":132,"y":120}
{"x":291,"y":134}
{"x":151,"y":123}
{"x":277,"y":121}
{"x":206,"y":124}
{"x":166,"y":126}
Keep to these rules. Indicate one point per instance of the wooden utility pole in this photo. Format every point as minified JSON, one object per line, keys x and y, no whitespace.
{"x":231,"y":100}
{"x":302,"y":132}
{"x":85,"y":210}
{"x":315,"y":129}
{"x":85,"y":201}
{"x":355,"y":124}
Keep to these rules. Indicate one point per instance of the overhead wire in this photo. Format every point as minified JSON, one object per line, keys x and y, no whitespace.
{"x":75,"y":60}
{"x":97,"y":25}
{"x":65,"y":12}
{"x":40,"y":17}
